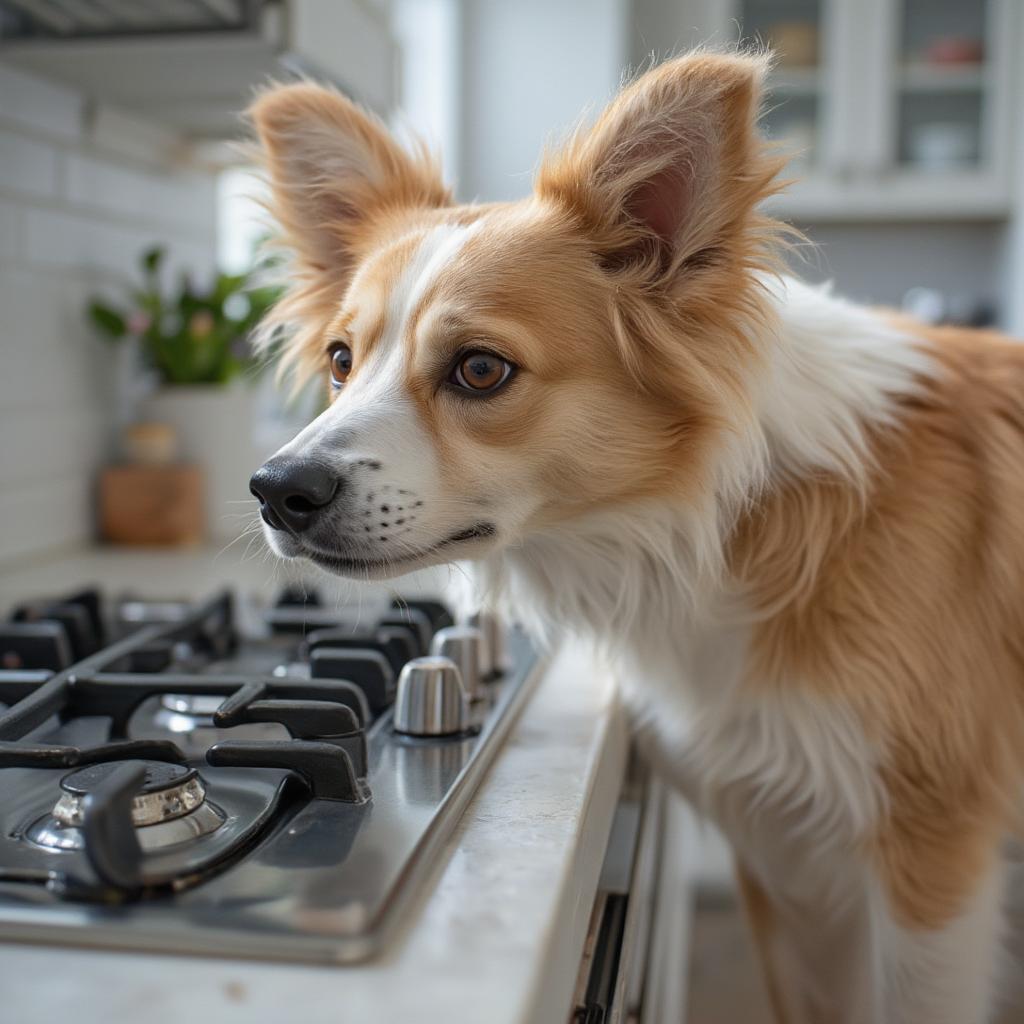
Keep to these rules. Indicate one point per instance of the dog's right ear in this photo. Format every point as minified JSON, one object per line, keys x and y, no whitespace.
{"x":668,"y":178}
{"x":331,"y":167}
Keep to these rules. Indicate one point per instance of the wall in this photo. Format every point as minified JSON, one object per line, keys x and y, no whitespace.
{"x":429,"y":35}
{"x":79,"y":199}
{"x":529,"y":70}
{"x":879,"y":263}
{"x":1012,"y":253}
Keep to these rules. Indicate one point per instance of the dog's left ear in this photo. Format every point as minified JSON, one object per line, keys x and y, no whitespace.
{"x":332,"y":166}
{"x":669,"y":175}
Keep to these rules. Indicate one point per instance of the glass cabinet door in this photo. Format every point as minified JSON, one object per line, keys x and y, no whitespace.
{"x":796,"y":101}
{"x":945,"y":86}
{"x":893,"y":108}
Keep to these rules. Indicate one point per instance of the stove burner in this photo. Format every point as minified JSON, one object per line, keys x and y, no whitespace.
{"x":168,"y":791}
{"x":170,"y":807}
{"x":196,"y":707}
{"x":187,"y":715}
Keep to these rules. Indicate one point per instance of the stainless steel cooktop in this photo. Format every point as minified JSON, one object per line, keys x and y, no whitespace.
{"x":168,"y":783}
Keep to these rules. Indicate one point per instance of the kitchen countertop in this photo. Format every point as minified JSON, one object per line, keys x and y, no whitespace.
{"x":498,"y":933}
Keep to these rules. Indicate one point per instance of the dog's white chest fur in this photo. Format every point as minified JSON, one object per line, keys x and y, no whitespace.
{"x":789,"y":776}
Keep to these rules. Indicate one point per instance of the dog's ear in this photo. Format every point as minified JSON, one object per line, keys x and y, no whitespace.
{"x":331,"y":167}
{"x":669,"y":175}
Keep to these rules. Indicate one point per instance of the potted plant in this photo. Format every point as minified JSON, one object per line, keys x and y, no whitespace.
{"x":194,"y":343}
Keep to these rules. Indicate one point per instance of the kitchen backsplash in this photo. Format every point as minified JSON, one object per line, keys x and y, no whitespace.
{"x":78,"y":201}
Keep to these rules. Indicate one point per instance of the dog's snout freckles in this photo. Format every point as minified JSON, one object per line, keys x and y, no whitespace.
{"x":373,"y":511}
{"x":387,"y":513}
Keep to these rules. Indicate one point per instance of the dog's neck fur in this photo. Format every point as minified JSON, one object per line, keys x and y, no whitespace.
{"x":832,"y":372}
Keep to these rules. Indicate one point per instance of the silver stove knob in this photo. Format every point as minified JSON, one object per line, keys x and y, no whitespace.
{"x":430,"y":700}
{"x":465,"y":646}
{"x":495,"y":651}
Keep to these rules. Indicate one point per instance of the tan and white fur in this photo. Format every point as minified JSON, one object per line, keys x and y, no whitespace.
{"x":796,"y":523}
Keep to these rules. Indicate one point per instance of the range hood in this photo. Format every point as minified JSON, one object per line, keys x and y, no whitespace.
{"x":191,"y":65}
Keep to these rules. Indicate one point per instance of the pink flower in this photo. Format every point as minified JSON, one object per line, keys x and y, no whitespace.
{"x":138,"y":322}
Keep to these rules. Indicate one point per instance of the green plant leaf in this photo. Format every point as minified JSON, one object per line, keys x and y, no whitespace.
{"x":262,"y":298}
{"x":185,"y":333}
{"x":108,"y":320}
{"x":228,"y":284}
{"x":152,"y":258}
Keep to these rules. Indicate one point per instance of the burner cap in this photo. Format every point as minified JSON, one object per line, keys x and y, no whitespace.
{"x":170,"y":807}
{"x":168,"y":791}
{"x":160,"y":777}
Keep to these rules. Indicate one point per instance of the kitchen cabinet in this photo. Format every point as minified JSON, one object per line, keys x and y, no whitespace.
{"x":192,"y":67}
{"x":897,"y":109}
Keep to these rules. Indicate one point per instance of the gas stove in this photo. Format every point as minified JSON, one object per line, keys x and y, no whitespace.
{"x":170,"y":781}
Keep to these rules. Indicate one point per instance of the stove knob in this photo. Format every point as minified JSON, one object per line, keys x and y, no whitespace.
{"x":430,"y":699}
{"x":414,"y":620}
{"x":495,"y":652}
{"x":465,"y":646}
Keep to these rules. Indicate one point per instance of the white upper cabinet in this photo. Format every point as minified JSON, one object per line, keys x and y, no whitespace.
{"x":896,"y":109}
{"x":192,"y":67}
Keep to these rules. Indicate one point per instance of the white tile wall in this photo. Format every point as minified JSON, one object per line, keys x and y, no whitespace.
{"x":180,"y":199}
{"x":10,"y":230}
{"x":40,"y":107}
{"x":28,"y":165}
{"x":58,"y":238}
{"x":75,"y":212}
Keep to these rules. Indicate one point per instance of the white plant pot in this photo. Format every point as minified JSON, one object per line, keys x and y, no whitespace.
{"x":217,"y":430}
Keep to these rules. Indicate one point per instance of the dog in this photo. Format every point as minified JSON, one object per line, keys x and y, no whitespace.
{"x":797,"y":523}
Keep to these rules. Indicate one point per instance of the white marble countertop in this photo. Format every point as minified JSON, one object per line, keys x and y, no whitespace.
{"x":499,"y":932}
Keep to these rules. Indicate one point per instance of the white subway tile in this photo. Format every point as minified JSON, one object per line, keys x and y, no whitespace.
{"x":56,"y":443}
{"x":50,"y":356}
{"x":38,"y":517}
{"x":10,"y":231}
{"x":39,"y":104}
{"x":27,"y":165}
{"x":54,"y":402}
{"x":142,"y":140}
{"x":70,"y":240}
{"x":193,"y":198}
{"x":95,"y":182}
{"x":173,"y":199}
{"x":58,"y":239}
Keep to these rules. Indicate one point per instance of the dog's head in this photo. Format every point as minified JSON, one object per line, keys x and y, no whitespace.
{"x":495,"y":370}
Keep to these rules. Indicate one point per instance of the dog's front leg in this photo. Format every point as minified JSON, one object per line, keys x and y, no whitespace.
{"x":764,"y":927}
{"x":855,"y":964}
{"x":820,"y":967}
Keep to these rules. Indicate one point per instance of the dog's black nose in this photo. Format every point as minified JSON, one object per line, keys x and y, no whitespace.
{"x":292,"y":491}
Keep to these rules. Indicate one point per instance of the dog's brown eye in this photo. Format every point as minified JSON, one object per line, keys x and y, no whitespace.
{"x":341,"y":363}
{"x":481,"y":371}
